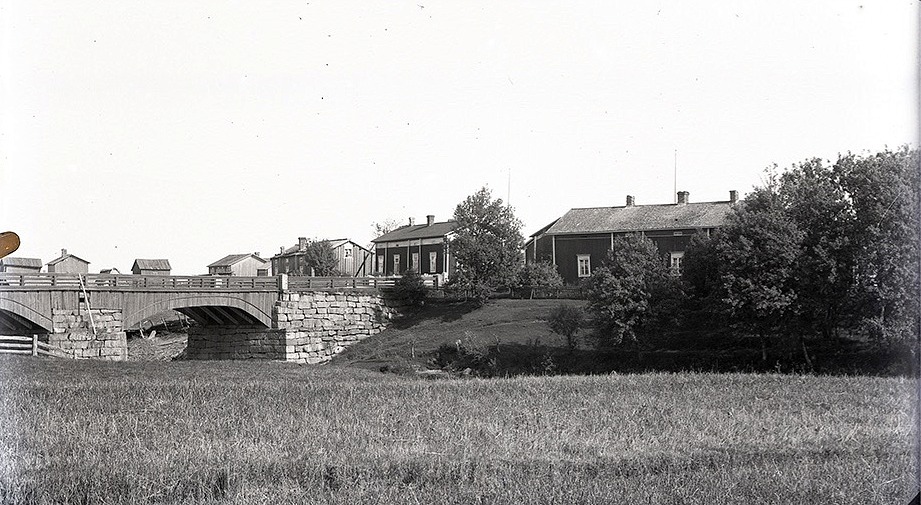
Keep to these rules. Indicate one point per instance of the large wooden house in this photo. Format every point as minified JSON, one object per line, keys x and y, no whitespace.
{"x":68,"y":264}
{"x":240,"y":265}
{"x":352,"y":259}
{"x":424,"y":248}
{"x":578,"y":241}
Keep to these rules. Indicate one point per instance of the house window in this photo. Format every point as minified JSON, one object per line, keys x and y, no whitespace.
{"x":262,"y":272}
{"x":584,"y":263}
{"x":415,"y":262}
{"x":380,"y":262}
{"x":433,"y":262}
{"x":676,"y":258}
{"x":348,"y":252}
{"x":396,"y":264}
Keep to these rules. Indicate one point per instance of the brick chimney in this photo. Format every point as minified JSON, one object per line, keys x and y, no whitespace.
{"x":302,"y":243}
{"x":733,"y":196}
{"x":281,"y":249}
{"x":683,"y":197}
{"x":63,"y":252}
{"x":630,"y":201}
{"x":412,"y":221}
{"x":429,"y":220}
{"x":257,"y":254}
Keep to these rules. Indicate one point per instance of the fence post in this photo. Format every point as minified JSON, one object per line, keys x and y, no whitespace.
{"x":282,"y":282}
{"x":34,"y":344}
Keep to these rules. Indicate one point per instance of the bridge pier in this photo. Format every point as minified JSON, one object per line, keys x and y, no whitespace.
{"x":321,"y":324}
{"x":73,"y":331}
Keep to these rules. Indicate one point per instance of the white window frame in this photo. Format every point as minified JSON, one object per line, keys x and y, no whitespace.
{"x":433,"y":262}
{"x":675,"y":260}
{"x":396,"y":264}
{"x":381,"y":265}
{"x":347,"y":252}
{"x":414,"y":262}
{"x":584,"y":260}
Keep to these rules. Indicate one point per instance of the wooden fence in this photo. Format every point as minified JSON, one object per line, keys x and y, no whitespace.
{"x":302,"y":282}
{"x":30,"y":346}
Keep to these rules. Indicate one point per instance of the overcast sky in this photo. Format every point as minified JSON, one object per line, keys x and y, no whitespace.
{"x":192,"y":130}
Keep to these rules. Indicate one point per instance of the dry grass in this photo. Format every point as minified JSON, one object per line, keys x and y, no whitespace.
{"x":257,"y":432}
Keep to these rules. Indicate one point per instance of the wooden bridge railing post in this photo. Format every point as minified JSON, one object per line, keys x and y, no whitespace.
{"x":34,"y":344}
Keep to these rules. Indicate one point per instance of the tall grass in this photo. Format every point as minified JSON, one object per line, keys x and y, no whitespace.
{"x":257,"y":432}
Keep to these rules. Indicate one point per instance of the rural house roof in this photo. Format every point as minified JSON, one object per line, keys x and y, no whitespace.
{"x":417,"y":231}
{"x":232,"y":259}
{"x":21,"y":262}
{"x":642,"y":218}
{"x":334,"y":243}
{"x":143,"y":264}
{"x":64,"y":257}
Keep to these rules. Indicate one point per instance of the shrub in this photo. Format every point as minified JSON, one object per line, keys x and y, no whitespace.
{"x":566,"y":320}
{"x":411,"y":287}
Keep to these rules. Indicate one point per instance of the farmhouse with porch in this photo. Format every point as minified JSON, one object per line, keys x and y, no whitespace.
{"x":353,"y":259}
{"x":578,"y":241}
{"x":424,"y":248}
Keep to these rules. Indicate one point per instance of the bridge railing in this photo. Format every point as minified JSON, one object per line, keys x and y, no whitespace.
{"x":303,"y":282}
{"x":91,"y":282}
{"x":29,"y":345}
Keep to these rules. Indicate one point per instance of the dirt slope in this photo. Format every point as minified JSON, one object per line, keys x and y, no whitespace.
{"x":415,"y":338}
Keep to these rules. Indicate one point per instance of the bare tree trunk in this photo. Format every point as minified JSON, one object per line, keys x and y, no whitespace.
{"x":802,"y":341}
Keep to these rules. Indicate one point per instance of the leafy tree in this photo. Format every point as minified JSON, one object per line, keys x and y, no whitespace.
{"x":813,"y":199}
{"x":486,"y":244}
{"x":883,"y":190}
{"x":566,"y":320}
{"x":702,"y":307}
{"x":628,"y":291}
{"x":385,"y":226}
{"x":320,"y":259}
{"x":538,"y":274}
{"x":757,"y":250}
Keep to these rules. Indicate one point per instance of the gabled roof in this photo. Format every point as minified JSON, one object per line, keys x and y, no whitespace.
{"x":232,"y":259}
{"x":334,"y":243}
{"x":642,"y":218}
{"x":339,"y":242}
{"x":544,"y":229}
{"x":21,"y":262}
{"x":417,"y":231}
{"x":142,"y":264}
{"x":64,"y":257}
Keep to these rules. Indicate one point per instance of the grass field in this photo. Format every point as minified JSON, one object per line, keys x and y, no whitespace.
{"x":258,"y":432}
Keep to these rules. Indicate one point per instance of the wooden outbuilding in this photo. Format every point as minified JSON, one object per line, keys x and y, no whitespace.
{"x":242,"y":265}
{"x":68,"y":264}
{"x":352,"y":259}
{"x":15,"y":265}
{"x":151,"y":267}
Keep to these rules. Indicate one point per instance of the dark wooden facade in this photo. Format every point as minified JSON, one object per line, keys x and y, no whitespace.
{"x":585,"y":236}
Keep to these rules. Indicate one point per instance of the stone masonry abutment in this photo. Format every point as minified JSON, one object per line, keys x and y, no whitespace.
{"x":309,"y":327}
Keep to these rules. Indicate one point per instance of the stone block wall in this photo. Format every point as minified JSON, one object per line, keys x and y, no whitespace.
{"x":73,"y":333}
{"x":320,"y":324}
{"x":235,"y":342}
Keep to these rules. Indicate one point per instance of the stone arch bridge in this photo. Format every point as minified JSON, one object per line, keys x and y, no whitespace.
{"x":302,"y":319}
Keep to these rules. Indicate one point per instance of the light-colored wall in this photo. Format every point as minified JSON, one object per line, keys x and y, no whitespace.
{"x":69,"y":265}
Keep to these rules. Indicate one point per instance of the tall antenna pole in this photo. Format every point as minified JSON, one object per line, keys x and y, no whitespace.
{"x":675,"y":190}
{"x":508,"y":195}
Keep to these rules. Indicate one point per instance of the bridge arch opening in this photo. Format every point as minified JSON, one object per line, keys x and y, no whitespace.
{"x":213,"y":310}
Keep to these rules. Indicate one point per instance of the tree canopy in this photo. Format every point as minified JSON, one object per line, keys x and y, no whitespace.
{"x":486,"y":244}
